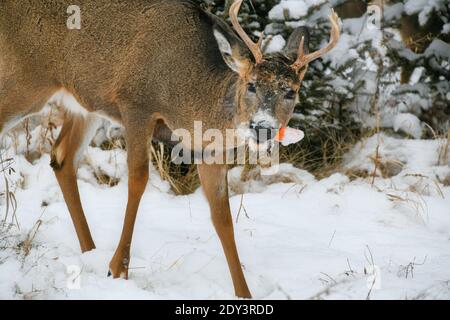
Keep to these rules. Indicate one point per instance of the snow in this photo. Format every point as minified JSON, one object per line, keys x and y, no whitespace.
{"x":393,"y":11}
{"x":446,"y":28}
{"x":383,"y":213}
{"x":299,"y":237}
{"x":341,"y":54}
{"x":294,"y":9}
{"x":409,"y":124}
{"x":275,"y":44}
{"x":438,"y":48}
{"x":423,"y":7}
{"x":416,"y":75}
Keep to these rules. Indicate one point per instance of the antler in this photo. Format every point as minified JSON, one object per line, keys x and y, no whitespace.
{"x":255,"y":48}
{"x":303,"y":59}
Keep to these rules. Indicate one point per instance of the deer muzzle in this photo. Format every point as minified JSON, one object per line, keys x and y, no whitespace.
{"x":262,"y":131}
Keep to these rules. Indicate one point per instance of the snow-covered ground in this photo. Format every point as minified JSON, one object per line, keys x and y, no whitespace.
{"x":339,"y":237}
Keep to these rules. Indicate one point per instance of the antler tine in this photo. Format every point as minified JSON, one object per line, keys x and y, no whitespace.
{"x":297,"y":65}
{"x":303,"y":60}
{"x":255,"y":48}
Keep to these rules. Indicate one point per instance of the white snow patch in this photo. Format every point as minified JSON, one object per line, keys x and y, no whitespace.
{"x":298,"y":237}
{"x":409,"y":124}
{"x":423,"y":7}
{"x":292,"y":9}
{"x":276,"y":44}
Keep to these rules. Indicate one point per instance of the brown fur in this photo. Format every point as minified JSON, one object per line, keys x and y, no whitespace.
{"x":147,"y":64}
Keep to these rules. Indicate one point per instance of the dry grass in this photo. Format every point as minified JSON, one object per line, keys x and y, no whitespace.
{"x":48,"y":123}
{"x":6,"y":170}
{"x":113,"y":143}
{"x":323,"y":153}
{"x":444,"y":151}
{"x":183,"y":178}
{"x":105,"y":179}
{"x":26,"y":245}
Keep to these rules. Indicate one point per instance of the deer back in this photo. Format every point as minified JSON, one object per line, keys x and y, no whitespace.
{"x":153,"y":56}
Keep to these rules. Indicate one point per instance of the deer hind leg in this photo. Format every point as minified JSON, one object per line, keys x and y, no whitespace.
{"x":138,"y":174}
{"x":19,"y":100}
{"x":215,"y":186}
{"x":76,"y":133}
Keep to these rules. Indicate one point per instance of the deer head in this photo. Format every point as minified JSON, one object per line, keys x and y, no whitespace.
{"x":268,"y":86}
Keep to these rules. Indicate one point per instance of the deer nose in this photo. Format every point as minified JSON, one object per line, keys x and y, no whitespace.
{"x":263,"y":131}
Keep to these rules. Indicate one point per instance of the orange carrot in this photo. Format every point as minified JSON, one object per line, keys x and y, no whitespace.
{"x":280,"y":135}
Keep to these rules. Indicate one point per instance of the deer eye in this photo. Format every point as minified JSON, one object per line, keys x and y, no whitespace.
{"x":251,"y":87}
{"x":290,"y":94}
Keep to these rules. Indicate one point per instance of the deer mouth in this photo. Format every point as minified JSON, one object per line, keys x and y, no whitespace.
{"x":263,"y":127}
{"x":262,"y":132}
{"x":257,"y":133}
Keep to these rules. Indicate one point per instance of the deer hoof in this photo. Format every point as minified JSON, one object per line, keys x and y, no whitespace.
{"x":118,"y":275}
{"x":119,"y":268}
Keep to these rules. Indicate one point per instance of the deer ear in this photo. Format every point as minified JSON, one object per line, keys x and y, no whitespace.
{"x":233,"y":51}
{"x":293,"y":43}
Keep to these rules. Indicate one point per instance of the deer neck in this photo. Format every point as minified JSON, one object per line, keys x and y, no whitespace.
{"x":223,"y":110}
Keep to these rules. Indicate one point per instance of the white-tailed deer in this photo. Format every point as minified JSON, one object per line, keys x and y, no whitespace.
{"x":152,"y":66}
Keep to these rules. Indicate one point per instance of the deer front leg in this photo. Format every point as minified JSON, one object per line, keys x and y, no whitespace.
{"x":138,"y":174}
{"x":215,"y":186}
